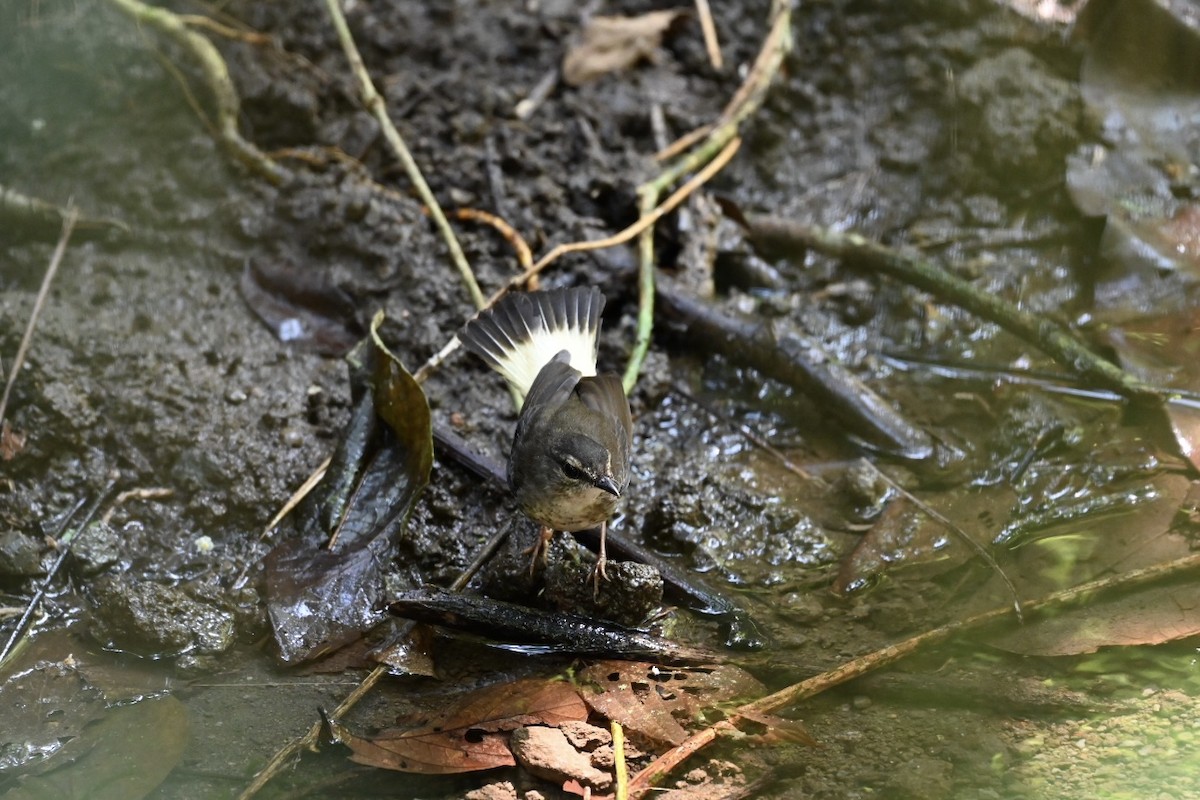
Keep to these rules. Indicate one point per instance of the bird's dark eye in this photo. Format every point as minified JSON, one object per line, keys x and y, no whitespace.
{"x":574,"y":472}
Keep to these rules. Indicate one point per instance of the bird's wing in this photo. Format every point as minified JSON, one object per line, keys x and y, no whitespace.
{"x":605,"y":395}
{"x":551,"y":388}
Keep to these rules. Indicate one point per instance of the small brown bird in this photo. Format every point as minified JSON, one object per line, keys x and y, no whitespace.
{"x":570,"y":458}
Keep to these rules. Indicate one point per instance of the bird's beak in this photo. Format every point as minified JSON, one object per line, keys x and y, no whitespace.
{"x":609,"y":485}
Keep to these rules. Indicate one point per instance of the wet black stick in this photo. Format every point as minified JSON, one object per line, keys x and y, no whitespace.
{"x":559,"y":632}
{"x":801,"y":364}
{"x":64,"y":545}
{"x":792,"y":238}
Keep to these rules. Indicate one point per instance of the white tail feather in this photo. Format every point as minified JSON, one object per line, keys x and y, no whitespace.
{"x":523,"y":332}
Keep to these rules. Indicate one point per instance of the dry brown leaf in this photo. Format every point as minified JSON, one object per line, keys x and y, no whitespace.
{"x":612,"y":44}
{"x":780,"y":729}
{"x":650,"y":700}
{"x":470,"y":735}
{"x":1163,"y":349}
{"x":12,"y":442}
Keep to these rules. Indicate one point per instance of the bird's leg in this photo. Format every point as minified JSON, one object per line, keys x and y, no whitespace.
{"x":540,"y":548}
{"x":598,"y":573}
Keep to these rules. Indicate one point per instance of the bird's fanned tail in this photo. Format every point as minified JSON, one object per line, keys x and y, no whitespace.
{"x":524,"y":331}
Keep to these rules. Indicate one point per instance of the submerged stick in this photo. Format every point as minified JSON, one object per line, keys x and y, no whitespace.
{"x":801,"y":364}
{"x":643,"y":782}
{"x":1054,"y":340}
{"x":18,"y":209}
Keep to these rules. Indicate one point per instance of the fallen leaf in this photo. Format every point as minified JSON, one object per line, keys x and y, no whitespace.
{"x":45,"y":706}
{"x":612,"y":44}
{"x":1091,"y":549}
{"x":128,"y":754}
{"x":904,"y":535}
{"x":470,"y":735}
{"x":1139,"y":58}
{"x":1163,"y":349}
{"x":650,"y":701}
{"x":302,"y":307}
{"x":1154,"y":615}
{"x":12,"y":442}
{"x":779,"y":729}
{"x":321,"y":596}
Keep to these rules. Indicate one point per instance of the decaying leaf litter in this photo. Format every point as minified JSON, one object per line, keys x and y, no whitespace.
{"x":254,"y":408}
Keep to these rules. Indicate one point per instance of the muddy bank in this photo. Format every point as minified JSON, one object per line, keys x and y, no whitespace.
{"x":934,"y":124}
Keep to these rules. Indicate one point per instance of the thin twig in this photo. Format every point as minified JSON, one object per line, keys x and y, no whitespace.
{"x":625,"y":235}
{"x":526,"y":108}
{"x":511,"y":235}
{"x":633,"y":230}
{"x":59,"y":250}
{"x":886,"y":656}
{"x":146,"y":493}
{"x":20,"y":209}
{"x":958,"y":532}
{"x":220,"y":29}
{"x":621,"y":767}
{"x":645,"y":317}
{"x":374,"y":103}
{"x":745,"y":101}
{"x":710,"y":34}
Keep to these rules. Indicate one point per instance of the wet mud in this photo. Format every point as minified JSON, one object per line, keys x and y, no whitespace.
{"x":928,"y":123}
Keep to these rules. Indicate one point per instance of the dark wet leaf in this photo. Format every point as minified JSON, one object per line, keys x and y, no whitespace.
{"x":470,"y":735}
{"x":130,"y":752}
{"x":321,"y":597}
{"x":401,"y":402}
{"x":302,"y":307}
{"x":612,"y":44}
{"x":45,"y":706}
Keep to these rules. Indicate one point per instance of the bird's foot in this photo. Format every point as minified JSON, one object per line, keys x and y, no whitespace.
{"x":598,"y":571}
{"x":539,"y":549}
